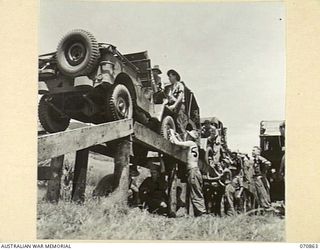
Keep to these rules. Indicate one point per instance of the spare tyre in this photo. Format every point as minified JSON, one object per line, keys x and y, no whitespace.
{"x":167,"y":124}
{"x":77,"y":53}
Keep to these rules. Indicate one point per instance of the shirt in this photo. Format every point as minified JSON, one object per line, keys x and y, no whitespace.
{"x":152,"y":189}
{"x":176,"y":90}
{"x":208,"y":131}
{"x":193,"y":155}
{"x":237,"y":182}
{"x":259,"y":165}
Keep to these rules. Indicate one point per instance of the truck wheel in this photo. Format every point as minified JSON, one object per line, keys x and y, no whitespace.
{"x":77,"y":53}
{"x":166,"y":124}
{"x":209,"y":155}
{"x":50,"y":119}
{"x":120,"y":105}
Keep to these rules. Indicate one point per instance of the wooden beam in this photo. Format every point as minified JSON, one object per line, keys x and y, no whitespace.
{"x":172,"y":190}
{"x":155,"y":141}
{"x":53,"y":145}
{"x":54,"y":185}
{"x":121,"y":168}
{"x":80,"y":175}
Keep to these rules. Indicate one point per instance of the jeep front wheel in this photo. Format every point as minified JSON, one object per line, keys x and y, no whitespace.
{"x":120,"y":105}
{"x":167,"y":124}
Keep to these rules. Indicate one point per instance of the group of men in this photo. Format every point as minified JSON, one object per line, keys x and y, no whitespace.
{"x":236,"y":176}
{"x":239,"y":178}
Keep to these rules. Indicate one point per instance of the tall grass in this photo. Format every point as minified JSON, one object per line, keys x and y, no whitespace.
{"x":109,"y":219}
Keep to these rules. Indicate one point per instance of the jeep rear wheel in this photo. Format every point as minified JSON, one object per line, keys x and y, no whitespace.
{"x":77,"y":53}
{"x":120,"y":105}
{"x":50,"y":118}
{"x":167,"y":124}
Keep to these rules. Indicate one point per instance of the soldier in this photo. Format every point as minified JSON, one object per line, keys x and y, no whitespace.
{"x":156,"y":72}
{"x":207,"y":130}
{"x":133,"y":199}
{"x":152,"y":191}
{"x":260,"y":166}
{"x":248,"y":183}
{"x":234,"y":188}
{"x":176,"y":100}
{"x":195,"y":181}
{"x":214,"y":189}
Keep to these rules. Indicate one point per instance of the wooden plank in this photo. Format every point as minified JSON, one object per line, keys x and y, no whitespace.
{"x":54,"y":185}
{"x":45,"y":173}
{"x":53,"y":145}
{"x":173,"y":190}
{"x":121,"y":168}
{"x":80,"y":175}
{"x":155,"y":141}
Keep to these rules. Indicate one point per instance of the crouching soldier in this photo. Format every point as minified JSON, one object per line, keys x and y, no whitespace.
{"x":233,"y":193}
{"x":152,"y":191}
{"x":195,"y":181}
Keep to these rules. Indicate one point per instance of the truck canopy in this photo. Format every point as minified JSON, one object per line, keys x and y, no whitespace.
{"x":270,"y":128}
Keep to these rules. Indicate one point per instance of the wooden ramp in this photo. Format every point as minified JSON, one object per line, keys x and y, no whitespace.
{"x":121,"y":134}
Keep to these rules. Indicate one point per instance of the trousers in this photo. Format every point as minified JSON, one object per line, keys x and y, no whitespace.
{"x":196,"y":196}
{"x":262,"y":193}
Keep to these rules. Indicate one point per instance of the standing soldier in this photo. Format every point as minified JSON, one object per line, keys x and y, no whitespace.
{"x":260,"y":166}
{"x":248,"y":183}
{"x":176,"y":100}
{"x":207,"y":130}
{"x":156,"y":72}
{"x":195,"y":181}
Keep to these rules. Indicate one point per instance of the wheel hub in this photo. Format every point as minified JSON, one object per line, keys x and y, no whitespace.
{"x":76,"y":53}
{"x":122,"y":107}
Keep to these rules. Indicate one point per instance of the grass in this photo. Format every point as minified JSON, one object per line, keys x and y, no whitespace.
{"x":109,"y":219}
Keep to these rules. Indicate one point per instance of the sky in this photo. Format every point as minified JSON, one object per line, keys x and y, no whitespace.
{"x":231,"y":55}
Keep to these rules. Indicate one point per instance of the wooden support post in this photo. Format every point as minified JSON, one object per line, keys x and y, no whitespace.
{"x":121,"y":168}
{"x":54,"y":185}
{"x":173,"y":181}
{"x":189,"y":205}
{"x":80,"y":175}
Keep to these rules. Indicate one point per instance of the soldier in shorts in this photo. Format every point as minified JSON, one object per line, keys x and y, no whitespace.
{"x":195,"y":181}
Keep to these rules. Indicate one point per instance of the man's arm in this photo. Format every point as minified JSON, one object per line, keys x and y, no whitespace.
{"x":265,"y":162}
{"x":175,"y":140}
{"x":179,"y":99}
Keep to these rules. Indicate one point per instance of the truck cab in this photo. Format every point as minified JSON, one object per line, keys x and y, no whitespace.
{"x":272,"y":144}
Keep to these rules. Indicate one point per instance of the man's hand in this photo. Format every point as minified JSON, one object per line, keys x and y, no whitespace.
{"x":163,"y":204}
{"x":171,"y":136}
{"x":172,"y":107}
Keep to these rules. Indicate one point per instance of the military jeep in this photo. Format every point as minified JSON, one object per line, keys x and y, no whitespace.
{"x":94,"y":83}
